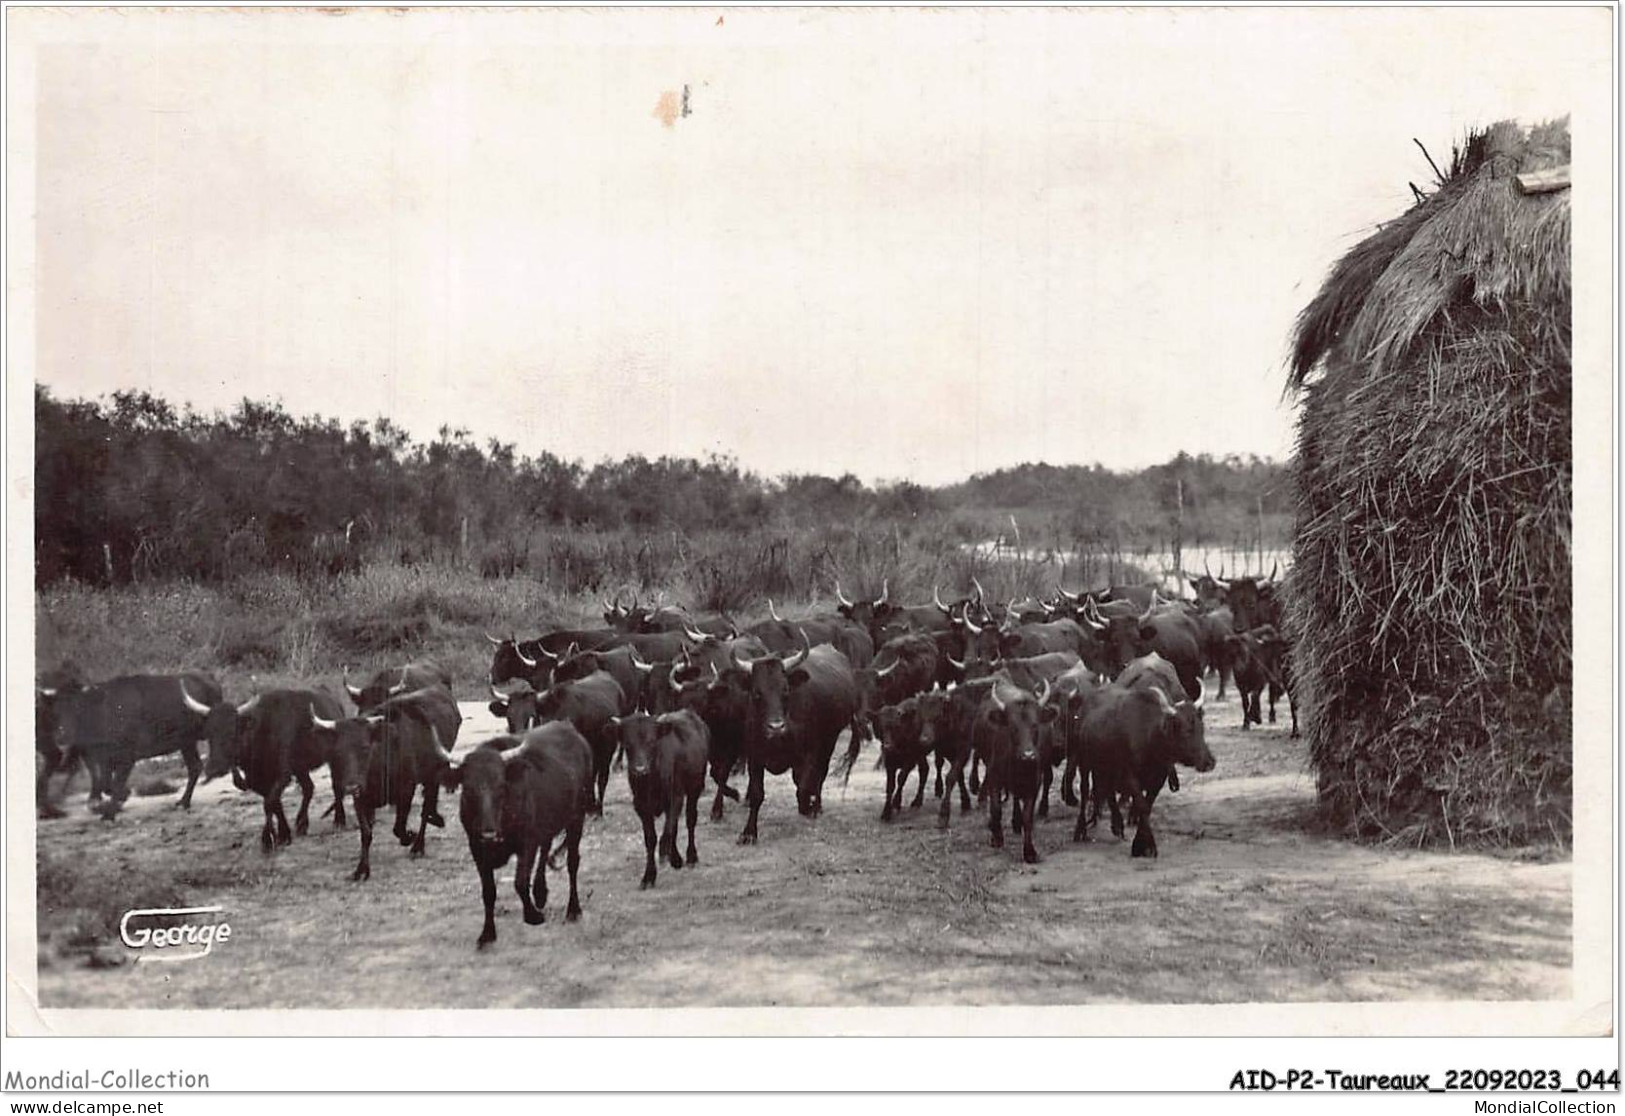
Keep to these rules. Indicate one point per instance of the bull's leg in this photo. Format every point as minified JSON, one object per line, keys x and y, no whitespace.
{"x":820,"y":774}
{"x":1029,"y":852}
{"x":648,"y":820}
{"x":1068,"y":774}
{"x":54,"y":761}
{"x":938,"y":787}
{"x":423,"y":820}
{"x":693,"y":856}
{"x":956,"y":777}
{"x":600,"y":779}
{"x":1080,"y":828}
{"x":365,"y":813}
{"x":975,"y":776}
{"x":753,"y":798}
{"x":117,"y":786}
{"x":307,"y":791}
{"x":523,"y":872}
{"x":573,"y":836}
{"x":268,"y":829}
{"x":194,"y":768}
{"x":273,"y":798}
{"x":488,"y":896}
{"x":1046,"y":776}
{"x":891,"y":790}
{"x":1145,"y":842}
{"x":403,"y":807}
{"x":431,"y":802}
{"x":995,"y":812}
{"x":674,"y":811}
{"x":1293,"y":706}
{"x":919,"y":791}
{"x":716,"y":805}
{"x":1117,"y":812}
{"x":338,"y":801}
{"x":1275,"y":695}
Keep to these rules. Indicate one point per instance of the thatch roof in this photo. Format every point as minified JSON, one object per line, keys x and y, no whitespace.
{"x":1478,"y":240}
{"x":1430,"y":587}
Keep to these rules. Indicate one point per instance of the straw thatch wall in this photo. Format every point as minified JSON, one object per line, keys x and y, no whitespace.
{"x":1431,"y":576}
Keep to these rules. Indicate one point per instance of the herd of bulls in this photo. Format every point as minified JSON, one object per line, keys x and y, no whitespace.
{"x":1106,"y":686}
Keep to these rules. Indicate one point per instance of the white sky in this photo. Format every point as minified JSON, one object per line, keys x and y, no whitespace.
{"x":904,"y":244}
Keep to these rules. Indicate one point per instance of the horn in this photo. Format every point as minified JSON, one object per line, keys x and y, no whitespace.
{"x":800,"y":656}
{"x":1274,"y":566}
{"x":1205,"y":568}
{"x":327,"y":726}
{"x":499,"y":695}
{"x":354,"y":692}
{"x":1162,"y":699}
{"x":671,"y":680}
{"x":688,"y":660}
{"x":544,"y":652}
{"x":1043,"y":691}
{"x":885,"y":591}
{"x":695,"y":634}
{"x":993,"y":692}
{"x":524,"y":658}
{"x":248,"y":705}
{"x":773,"y":612}
{"x":1093,"y":620}
{"x":1049,"y":609}
{"x":1069,"y":597}
{"x":716,"y":675}
{"x":955,"y":663}
{"x":643,"y":667}
{"x":974,"y":630}
{"x":1221,"y":582}
{"x":882,"y":672}
{"x":492,"y":639}
{"x":841,"y":596}
{"x":399,"y":687}
{"x":374,"y":718}
{"x":571,"y":651}
{"x":1201,"y":697}
{"x":44,"y":693}
{"x":192,"y":703}
{"x":979,"y":593}
{"x":936,"y":595}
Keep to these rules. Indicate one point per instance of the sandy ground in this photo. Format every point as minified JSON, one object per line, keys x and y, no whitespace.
{"x":1244,"y":905}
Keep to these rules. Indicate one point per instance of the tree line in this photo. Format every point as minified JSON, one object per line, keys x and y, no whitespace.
{"x":133,"y":488}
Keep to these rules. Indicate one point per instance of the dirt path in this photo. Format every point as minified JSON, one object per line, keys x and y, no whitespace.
{"x":1243,"y":905}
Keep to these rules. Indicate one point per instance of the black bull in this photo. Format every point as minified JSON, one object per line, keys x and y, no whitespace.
{"x":115,"y":724}
{"x":277,"y":741}
{"x":794,"y":709}
{"x":517,"y":795}
{"x":384,"y":756}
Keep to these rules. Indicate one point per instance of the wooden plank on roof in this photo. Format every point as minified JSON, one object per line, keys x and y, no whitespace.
{"x":1544,"y":181}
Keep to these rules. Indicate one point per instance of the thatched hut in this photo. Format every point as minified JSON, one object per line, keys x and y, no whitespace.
{"x":1431,"y":576}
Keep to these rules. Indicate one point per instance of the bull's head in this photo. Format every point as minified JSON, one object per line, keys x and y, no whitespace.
{"x":513,"y":659}
{"x":639,"y":734}
{"x":772,"y":681}
{"x":348,"y":743}
{"x":518,"y":708}
{"x":1183,"y":733}
{"x":224,"y":726}
{"x":482,"y":775}
{"x":899,"y":727}
{"x":1021,"y":714}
